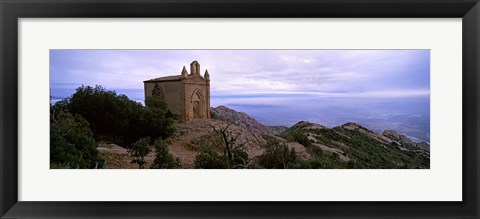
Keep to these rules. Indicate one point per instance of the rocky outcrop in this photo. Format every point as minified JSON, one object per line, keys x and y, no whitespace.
{"x":423,"y":145}
{"x":191,"y":137}
{"x":352,"y":142}
{"x":278,"y":129}
{"x":311,"y":131}
{"x":305,"y":126}
{"x":356,"y":127}
{"x":243,"y":120}
{"x":404,"y":140}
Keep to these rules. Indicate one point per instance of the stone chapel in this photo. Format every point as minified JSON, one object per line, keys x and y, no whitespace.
{"x":187,"y":95}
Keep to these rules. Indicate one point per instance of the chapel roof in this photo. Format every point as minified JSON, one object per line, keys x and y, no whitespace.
{"x":166,"y":78}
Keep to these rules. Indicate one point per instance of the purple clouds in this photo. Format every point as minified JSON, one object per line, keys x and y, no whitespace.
{"x":368,"y":73}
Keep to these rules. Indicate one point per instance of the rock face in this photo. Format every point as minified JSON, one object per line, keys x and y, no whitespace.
{"x":423,"y":145}
{"x":243,"y":120}
{"x":191,"y":137}
{"x":311,"y":131}
{"x":356,"y":127}
{"x":402,"y":139}
{"x":304,"y":125}
{"x":278,"y":129}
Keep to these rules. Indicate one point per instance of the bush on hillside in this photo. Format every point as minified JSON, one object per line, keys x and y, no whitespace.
{"x":299,"y":137}
{"x":118,"y":119}
{"x":240,"y":159}
{"x":71,"y":141}
{"x":163,"y":158}
{"x":209,"y":159}
{"x":139,"y":150}
{"x":277,"y":156}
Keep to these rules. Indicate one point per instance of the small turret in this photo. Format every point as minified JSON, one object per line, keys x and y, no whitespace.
{"x":206,"y":75}
{"x":195,"y":68}
{"x":184,"y":72}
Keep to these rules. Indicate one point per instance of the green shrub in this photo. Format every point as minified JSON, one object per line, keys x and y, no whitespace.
{"x":106,"y":112}
{"x":315,"y":151}
{"x":118,"y":119}
{"x":151,"y":122}
{"x":71,"y":141}
{"x":139,"y":150}
{"x":163,"y":158}
{"x":209,"y":159}
{"x":240,"y":159}
{"x":277,"y":156}
{"x":153,"y":102}
{"x":213,"y":115}
{"x":299,"y":137}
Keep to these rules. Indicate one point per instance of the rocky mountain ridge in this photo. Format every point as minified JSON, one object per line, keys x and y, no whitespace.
{"x":402,"y":139}
{"x":244,"y":120}
{"x":352,"y":141}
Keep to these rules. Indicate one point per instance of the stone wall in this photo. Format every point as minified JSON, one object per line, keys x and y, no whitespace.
{"x":173,"y":94}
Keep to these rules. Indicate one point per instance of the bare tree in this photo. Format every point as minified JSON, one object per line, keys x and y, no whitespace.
{"x":231,"y":144}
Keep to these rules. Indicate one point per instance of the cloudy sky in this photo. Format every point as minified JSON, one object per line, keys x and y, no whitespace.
{"x":380,"y":89}
{"x":353,"y":73}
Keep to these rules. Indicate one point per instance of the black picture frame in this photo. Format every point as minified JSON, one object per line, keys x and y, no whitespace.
{"x":12,"y":10}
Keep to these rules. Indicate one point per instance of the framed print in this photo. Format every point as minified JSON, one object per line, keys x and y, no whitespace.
{"x":239,"y":109}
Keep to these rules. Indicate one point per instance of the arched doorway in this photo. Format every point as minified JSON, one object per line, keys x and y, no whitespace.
{"x":197,"y":105}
